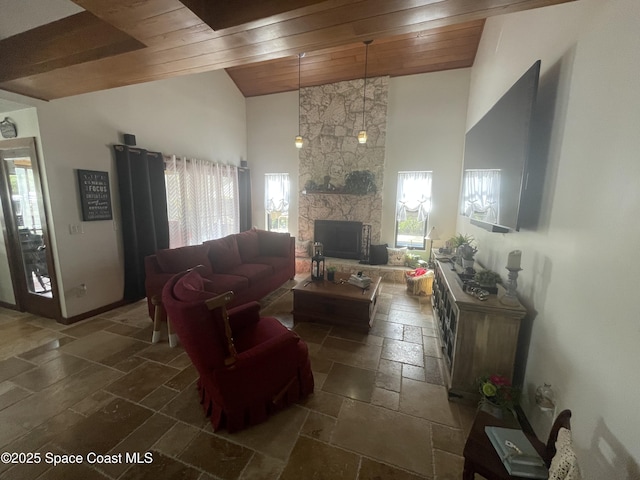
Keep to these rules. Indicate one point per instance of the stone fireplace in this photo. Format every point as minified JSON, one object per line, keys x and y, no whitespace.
{"x":330,"y":119}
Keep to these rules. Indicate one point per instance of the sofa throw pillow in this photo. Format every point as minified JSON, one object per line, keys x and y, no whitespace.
{"x":274,"y":244}
{"x":176,"y":260}
{"x":248,"y":245}
{"x":223,"y":254}
{"x":396,"y":255}
{"x":303,"y":248}
{"x":378,"y":254}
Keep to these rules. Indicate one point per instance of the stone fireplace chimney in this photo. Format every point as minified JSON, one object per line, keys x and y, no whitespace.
{"x":330,"y":119}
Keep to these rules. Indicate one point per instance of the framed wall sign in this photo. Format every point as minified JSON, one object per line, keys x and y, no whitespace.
{"x":95,"y":195}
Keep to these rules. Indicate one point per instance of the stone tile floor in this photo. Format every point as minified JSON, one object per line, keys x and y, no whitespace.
{"x":101,"y":390}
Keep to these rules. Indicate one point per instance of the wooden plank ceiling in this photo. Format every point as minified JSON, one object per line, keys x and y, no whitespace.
{"x":123,"y":42}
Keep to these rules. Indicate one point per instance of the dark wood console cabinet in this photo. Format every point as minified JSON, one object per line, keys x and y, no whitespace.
{"x":477,"y":337}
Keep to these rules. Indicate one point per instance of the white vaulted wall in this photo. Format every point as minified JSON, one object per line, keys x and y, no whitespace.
{"x":579,"y":277}
{"x":201,"y":116}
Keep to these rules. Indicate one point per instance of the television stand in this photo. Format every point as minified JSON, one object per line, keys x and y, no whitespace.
{"x":477,"y":337}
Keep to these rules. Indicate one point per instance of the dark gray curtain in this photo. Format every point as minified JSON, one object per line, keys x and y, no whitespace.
{"x":244,"y":190}
{"x":143,"y":205}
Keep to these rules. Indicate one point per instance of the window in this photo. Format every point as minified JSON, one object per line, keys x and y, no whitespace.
{"x":481,"y":194}
{"x":413,"y":204}
{"x":276,"y":201}
{"x":202,"y":200}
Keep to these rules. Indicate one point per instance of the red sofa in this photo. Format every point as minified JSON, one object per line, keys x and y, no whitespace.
{"x":251,"y":264}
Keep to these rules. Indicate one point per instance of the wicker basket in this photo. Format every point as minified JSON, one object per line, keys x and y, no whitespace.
{"x":421,"y":285}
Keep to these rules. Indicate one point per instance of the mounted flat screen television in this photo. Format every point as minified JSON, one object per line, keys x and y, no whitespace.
{"x":496,"y":155}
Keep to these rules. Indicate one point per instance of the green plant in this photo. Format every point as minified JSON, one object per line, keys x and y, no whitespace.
{"x":487,"y":277}
{"x":412,"y":260}
{"x":331,"y":269}
{"x":311,"y":186}
{"x":411,"y":226}
{"x":498,"y":391}
{"x":360,"y":182}
{"x":460,"y":240}
{"x":467,"y":251}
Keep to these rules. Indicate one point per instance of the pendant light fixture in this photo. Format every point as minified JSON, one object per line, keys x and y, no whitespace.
{"x":299,"y":137}
{"x":362,"y":135}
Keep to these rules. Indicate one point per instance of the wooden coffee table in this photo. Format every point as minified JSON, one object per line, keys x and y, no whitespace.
{"x":336,"y":303}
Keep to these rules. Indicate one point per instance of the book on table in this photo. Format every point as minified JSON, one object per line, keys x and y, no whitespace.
{"x":517,"y":453}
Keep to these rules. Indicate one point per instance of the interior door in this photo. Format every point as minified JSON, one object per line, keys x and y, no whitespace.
{"x":25,"y":224}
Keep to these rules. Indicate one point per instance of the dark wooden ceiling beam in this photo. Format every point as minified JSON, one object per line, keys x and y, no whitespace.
{"x":80,"y":38}
{"x":221,"y":14}
{"x":139,"y":17}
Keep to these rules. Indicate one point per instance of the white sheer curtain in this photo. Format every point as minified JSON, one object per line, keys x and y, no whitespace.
{"x":276,"y":199}
{"x":202,"y":200}
{"x":414,"y":195}
{"x":481,"y":194}
{"x":276,"y":192}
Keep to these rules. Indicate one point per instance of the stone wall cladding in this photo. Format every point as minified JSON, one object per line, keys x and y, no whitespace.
{"x":330,"y":119}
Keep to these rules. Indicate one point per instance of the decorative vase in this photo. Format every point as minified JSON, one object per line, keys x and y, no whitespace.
{"x":545,"y":398}
{"x":468,"y":263}
{"x":331,"y":275}
{"x":491,"y":408}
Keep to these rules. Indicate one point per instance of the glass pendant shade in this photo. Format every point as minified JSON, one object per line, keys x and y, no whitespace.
{"x":299,"y":141}
{"x":362,"y":135}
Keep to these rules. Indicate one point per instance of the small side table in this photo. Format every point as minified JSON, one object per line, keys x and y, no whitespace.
{"x":480,"y":456}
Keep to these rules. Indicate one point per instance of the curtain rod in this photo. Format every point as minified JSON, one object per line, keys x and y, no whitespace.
{"x":186,"y":159}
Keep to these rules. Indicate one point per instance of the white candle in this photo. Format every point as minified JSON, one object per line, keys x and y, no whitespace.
{"x":513,"y":261}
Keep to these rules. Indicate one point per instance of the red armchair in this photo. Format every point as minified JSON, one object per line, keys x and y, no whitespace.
{"x":249,"y":366}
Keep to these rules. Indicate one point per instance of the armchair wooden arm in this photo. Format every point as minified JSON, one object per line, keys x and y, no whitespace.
{"x":221,"y":302}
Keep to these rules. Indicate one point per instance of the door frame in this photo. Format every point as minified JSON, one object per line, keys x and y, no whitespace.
{"x":25,"y":300}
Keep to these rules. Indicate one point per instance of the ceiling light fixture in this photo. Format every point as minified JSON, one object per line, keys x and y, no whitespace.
{"x":362,"y":135}
{"x":299,"y":137}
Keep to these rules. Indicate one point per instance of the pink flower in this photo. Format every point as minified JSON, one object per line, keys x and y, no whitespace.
{"x":500,"y":381}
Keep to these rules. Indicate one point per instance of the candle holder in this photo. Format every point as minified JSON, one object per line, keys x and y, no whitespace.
{"x":510,"y":297}
{"x":317,"y":262}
